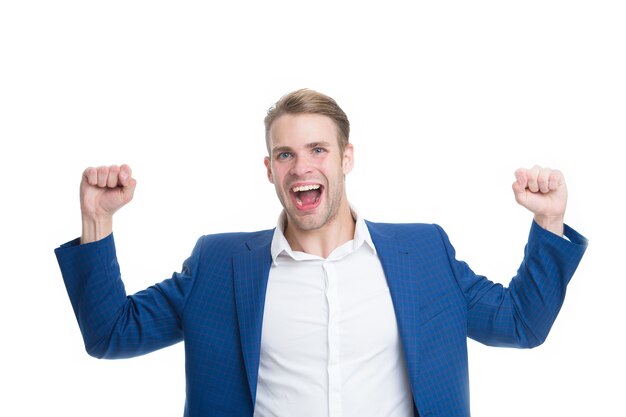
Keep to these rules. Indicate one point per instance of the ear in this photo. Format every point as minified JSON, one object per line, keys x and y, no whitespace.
{"x":348,"y":159}
{"x":268,"y":166}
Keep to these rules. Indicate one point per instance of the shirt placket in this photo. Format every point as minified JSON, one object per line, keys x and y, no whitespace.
{"x":334,"y":340}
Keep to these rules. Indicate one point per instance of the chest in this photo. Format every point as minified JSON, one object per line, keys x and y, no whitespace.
{"x":315,"y":308}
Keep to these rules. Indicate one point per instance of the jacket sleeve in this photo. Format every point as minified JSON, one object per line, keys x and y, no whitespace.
{"x":522,"y":314}
{"x":114,"y":325}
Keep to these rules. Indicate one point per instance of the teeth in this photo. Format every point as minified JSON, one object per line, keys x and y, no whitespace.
{"x":305,"y":188}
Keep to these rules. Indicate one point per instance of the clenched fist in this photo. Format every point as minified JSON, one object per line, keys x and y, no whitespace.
{"x":543,"y":192}
{"x":103,"y":191}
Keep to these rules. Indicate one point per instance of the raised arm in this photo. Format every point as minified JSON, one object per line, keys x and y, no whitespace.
{"x":522,"y":314}
{"x":114,"y":324}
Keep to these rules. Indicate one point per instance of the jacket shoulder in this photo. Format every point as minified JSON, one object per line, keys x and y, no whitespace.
{"x":407,"y":232}
{"x":235,"y":242}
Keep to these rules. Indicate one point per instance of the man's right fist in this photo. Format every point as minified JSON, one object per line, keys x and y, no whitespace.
{"x":103,"y":191}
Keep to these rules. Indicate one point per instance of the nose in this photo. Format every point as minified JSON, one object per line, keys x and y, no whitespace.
{"x":301,"y":166}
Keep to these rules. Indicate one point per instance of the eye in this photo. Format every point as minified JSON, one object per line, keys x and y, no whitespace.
{"x":318,"y":150}
{"x":283,"y":155}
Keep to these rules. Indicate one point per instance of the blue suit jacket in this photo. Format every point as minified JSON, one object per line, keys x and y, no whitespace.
{"x":216,"y":305}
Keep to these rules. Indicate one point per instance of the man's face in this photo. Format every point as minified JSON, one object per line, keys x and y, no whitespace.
{"x":308,"y":169}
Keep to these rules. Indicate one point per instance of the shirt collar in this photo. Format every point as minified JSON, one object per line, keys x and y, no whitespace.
{"x":280,"y":244}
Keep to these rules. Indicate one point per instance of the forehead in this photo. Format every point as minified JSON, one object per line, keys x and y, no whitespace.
{"x":300,"y":129}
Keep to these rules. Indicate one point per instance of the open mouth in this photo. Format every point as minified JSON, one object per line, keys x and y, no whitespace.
{"x":306,"y":196}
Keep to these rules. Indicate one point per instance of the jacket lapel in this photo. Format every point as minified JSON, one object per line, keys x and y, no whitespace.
{"x":251,"y":272}
{"x":400,"y":271}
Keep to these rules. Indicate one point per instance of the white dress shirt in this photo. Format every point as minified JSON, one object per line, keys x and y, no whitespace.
{"x":330,"y":344}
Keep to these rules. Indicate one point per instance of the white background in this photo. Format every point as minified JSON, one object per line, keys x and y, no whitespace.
{"x":446,"y":100}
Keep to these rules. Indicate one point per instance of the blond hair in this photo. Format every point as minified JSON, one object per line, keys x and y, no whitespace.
{"x":309,"y":101}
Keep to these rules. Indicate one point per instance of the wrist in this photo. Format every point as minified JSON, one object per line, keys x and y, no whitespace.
{"x":555,"y":224}
{"x":95,"y":228}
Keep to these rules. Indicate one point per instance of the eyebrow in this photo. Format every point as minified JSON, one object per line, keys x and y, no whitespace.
{"x":311,"y":145}
{"x":317,"y":144}
{"x":280,"y":149}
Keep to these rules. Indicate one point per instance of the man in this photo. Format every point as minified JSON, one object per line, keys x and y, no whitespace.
{"x":326,"y":314}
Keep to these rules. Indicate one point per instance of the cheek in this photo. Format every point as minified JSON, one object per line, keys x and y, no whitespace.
{"x":276,"y":176}
{"x":276,"y":173}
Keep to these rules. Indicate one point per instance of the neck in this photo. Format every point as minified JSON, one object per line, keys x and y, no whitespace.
{"x":321,"y":242}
